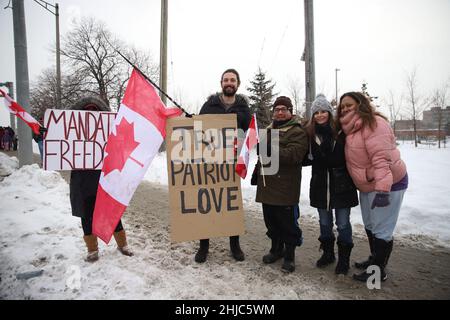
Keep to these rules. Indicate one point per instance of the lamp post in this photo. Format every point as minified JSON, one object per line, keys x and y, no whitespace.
{"x":55,"y":7}
{"x":336,"y":83}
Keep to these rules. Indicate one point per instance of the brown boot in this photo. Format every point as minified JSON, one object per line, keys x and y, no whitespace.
{"x":121,"y":240}
{"x":92,"y":246}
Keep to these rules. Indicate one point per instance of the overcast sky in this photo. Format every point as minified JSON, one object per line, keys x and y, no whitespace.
{"x":377,"y":41}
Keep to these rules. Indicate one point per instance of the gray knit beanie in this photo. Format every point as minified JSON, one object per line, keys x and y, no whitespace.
{"x":321,"y":104}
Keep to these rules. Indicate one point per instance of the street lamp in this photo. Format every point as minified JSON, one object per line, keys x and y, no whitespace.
{"x":55,"y":7}
{"x":336,"y":83}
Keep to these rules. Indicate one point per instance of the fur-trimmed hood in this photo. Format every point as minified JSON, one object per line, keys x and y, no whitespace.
{"x":91,"y":99}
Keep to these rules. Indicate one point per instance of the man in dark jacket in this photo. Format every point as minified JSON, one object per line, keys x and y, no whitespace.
{"x":83,"y":193}
{"x":279,"y":193}
{"x":223,"y":103}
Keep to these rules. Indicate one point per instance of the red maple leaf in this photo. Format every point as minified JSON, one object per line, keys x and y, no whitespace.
{"x":119,"y":147}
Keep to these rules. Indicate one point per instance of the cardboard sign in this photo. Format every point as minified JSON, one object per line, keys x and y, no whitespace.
{"x":204,"y":189}
{"x":76,"y":140}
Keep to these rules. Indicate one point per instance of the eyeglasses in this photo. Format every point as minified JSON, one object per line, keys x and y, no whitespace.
{"x":283,"y":110}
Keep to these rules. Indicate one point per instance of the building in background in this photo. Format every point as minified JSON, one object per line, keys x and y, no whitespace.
{"x":435,"y":124}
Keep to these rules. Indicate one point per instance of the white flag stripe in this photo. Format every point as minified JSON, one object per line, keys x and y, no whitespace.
{"x":122,"y":184}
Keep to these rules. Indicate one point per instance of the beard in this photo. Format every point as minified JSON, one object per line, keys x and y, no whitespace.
{"x":229,"y":91}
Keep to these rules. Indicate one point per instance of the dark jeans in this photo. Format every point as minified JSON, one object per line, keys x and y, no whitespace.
{"x":41,"y":148}
{"x":86,"y":223}
{"x":281,"y":223}
{"x":343,"y":224}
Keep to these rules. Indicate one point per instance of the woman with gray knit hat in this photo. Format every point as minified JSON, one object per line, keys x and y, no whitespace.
{"x":331,"y":186}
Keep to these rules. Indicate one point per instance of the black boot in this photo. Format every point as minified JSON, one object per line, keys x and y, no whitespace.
{"x":382,"y":251}
{"x":368,"y":262}
{"x":276,"y":252}
{"x":289,"y":259}
{"x":236,"y":249}
{"x":327,"y":246}
{"x":344,"y":251}
{"x":202,"y":252}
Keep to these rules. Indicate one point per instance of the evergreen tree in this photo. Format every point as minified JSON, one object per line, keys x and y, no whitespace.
{"x":261,"y":96}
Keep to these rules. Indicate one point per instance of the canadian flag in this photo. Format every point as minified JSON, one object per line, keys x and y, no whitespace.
{"x":137,"y":134}
{"x":20,"y":112}
{"x":251,"y":139}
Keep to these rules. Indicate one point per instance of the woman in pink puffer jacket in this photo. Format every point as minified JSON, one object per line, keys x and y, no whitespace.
{"x":378,"y":172}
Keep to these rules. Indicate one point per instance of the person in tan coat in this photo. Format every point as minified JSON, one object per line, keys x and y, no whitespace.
{"x":279,"y":193}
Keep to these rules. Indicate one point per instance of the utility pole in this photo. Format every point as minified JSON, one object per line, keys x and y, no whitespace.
{"x":336,"y":71}
{"x":23,"y":86}
{"x":163,"y":50}
{"x":12,"y":118}
{"x":58,"y":60}
{"x":310,"y":78}
{"x":47,"y":6}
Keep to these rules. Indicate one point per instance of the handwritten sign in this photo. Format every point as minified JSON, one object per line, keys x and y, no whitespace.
{"x":76,"y":140}
{"x":204,"y":189}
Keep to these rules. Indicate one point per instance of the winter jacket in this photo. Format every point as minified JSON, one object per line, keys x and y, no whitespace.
{"x":331,"y":186}
{"x":373,"y":159}
{"x":283,"y":188}
{"x":84,"y":183}
{"x":83,"y":192}
{"x":215,"y":106}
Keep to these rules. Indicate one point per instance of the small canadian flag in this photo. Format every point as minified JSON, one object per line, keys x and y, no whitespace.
{"x":251,"y":139}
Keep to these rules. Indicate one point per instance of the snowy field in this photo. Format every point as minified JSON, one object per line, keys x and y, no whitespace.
{"x":39,"y":232}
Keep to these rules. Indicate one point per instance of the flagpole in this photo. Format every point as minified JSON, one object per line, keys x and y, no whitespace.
{"x":189,"y":115}
{"x":262,"y":170}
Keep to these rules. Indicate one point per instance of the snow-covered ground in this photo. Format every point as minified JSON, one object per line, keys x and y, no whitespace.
{"x":426,"y":205}
{"x":38,"y":232}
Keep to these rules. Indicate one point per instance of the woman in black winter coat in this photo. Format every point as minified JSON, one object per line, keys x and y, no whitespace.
{"x":331,"y":186}
{"x":83,"y":193}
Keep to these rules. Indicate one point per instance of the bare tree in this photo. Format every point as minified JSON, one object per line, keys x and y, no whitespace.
{"x":295,"y":90}
{"x":90,"y":50}
{"x":416,"y":102}
{"x":43,"y":91}
{"x":394,"y":106}
{"x":139,"y":59}
{"x":438,"y":100}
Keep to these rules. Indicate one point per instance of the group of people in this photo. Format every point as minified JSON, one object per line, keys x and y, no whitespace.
{"x":8,"y":139}
{"x":351,"y":149}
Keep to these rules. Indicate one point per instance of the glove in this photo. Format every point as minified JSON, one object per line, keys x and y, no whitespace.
{"x":380,"y":200}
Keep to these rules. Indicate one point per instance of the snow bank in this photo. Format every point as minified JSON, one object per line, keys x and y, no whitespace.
{"x":7,"y":164}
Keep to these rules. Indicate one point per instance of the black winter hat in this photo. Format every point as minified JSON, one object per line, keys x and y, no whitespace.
{"x":90,"y":100}
{"x":285,"y":101}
